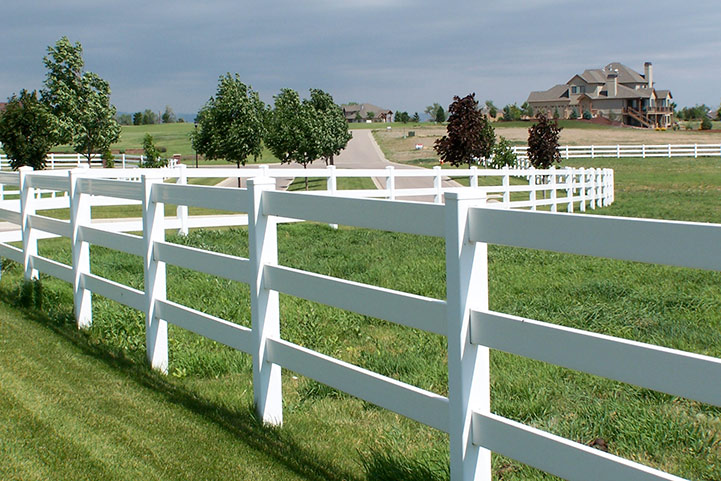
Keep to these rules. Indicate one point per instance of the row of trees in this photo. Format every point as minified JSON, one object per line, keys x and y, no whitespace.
{"x":235,"y":124}
{"x":73,"y":108}
{"x":470,"y":139}
{"x":148,"y":117}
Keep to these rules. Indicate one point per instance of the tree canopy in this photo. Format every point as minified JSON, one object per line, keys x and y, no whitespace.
{"x":334,"y":134}
{"x":469,"y":137}
{"x":27,"y":130}
{"x":543,"y":142}
{"x":79,"y":100}
{"x":231,"y":125}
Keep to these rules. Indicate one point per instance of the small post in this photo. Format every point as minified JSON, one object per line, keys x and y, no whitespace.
{"x":695,"y":151}
{"x":182,"y":211}
{"x":123,"y":161}
{"x":567,"y":152}
{"x":592,"y":152}
{"x":553,"y":189}
{"x":156,"y":329}
{"x":80,"y":215}
{"x":593,"y":187}
{"x":643,"y":151}
{"x":669,"y":151}
{"x":264,"y":307}
{"x":506,"y":187}
{"x":618,"y":151}
{"x":391,"y":182}
{"x":30,"y":237}
{"x":332,"y":186}
{"x":52,"y":161}
{"x":474,"y":177}
{"x":468,"y":364}
{"x":569,"y":188}
{"x":582,"y":177}
{"x":437,"y":184}
{"x":532,"y":188}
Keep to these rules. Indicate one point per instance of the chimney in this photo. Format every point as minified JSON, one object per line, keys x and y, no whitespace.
{"x":612,"y":84}
{"x":648,"y":74}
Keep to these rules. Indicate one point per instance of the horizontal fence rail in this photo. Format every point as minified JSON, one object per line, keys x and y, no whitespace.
{"x":467,"y":222}
{"x":70,"y":161}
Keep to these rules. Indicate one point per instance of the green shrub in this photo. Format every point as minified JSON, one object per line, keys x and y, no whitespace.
{"x":574,"y":113}
{"x":503,"y":155}
{"x":706,"y":124}
{"x":587,"y":115}
{"x":108,"y":159}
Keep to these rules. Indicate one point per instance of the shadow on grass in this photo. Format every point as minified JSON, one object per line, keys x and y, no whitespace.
{"x":388,"y":465}
{"x":242,"y":423}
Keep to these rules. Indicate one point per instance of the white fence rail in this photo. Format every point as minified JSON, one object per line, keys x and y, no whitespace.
{"x":70,"y":161}
{"x":619,"y":150}
{"x":465,"y":414}
{"x":466,"y":223}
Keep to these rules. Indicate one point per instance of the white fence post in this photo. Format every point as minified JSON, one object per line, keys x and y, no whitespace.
{"x":506,"y":187}
{"x":265,"y":311}
{"x":332,"y":186}
{"x":79,"y":215}
{"x":570,"y":176}
{"x":695,"y":151}
{"x":156,"y":329}
{"x":437,"y":184}
{"x":391,"y":182}
{"x":592,"y":152}
{"x":30,"y":237}
{"x":532,"y":189}
{"x":473,"y":181}
{"x":643,"y":151}
{"x":123,"y":161}
{"x":468,"y":368}
{"x":582,"y":190}
{"x":182,"y":211}
{"x":553,"y":188}
{"x":618,"y":151}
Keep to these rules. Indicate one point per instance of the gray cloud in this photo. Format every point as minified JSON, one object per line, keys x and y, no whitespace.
{"x":400,"y":53}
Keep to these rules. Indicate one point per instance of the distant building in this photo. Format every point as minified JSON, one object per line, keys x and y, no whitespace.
{"x":359,"y":113}
{"x":2,"y":106}
{"x":616,"y":92}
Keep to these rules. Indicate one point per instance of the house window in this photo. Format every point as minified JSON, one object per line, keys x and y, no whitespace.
{"x":574,"y":89}
{"x":578,"y":89}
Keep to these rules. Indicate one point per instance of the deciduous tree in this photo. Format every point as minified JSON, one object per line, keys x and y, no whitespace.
{"x":231,"y":125}
{"x":28,"y":130}
{"x":168,"y":116}
{"x":80,"y":100}
{"x":294,"y":130}
{"x":543,"y":142}
{"x":469,"y":135}
{"x":334,"y":134}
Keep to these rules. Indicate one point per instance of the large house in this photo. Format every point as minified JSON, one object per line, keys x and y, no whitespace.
{"x":616,"y":92}
{"x":360,"y":113}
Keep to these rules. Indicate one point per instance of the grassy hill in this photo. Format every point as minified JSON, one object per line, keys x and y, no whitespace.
{"x":79,"y":402}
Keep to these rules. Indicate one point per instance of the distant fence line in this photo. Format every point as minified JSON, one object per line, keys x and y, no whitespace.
{"x":466,"y":223}
{"x":619,"y":150}
{"x":69,"y":161}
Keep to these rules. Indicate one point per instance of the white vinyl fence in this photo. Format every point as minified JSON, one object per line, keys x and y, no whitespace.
{"x":70,"y":161}
{"x":618,"y":151}
{"x":465,"y":222}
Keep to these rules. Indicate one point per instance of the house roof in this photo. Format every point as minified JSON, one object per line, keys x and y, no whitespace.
{"x":363,"y":109}
{"x":625,"y":74}
{"x":555,"y":93}
{"x":662,"y":94}
{"x":593,"y":76}
{"x":623,"y":92}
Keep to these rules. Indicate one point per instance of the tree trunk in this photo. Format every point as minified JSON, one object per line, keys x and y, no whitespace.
{"x":331,"y":160}
{"x":305,"y":166}
{"x":238,"y":164}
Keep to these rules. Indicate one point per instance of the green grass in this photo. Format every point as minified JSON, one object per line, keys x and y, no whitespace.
{"x":563,"y":123}
{"x":342,"y":183}
{"x":674,"y":307}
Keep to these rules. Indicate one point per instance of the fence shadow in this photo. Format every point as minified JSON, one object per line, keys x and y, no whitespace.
{"x":241,"y":423}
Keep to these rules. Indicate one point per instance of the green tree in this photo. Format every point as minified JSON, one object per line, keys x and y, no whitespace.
{"x":543,"y":142}
{"x":168,"y":116}
{"x":587,"y":115}
{"x":718,"y":113}
{"x":370,"y":115}
{"x":28,"y":130}
{"x":556,"y":114}
{"x":402,"y":117}
{"x":511,"y":112}
{"x":294,"y":130}
{"x":574,"y":113}
{"x":231,"y":125}
{"x":334,"y":134}
{"x":492,"y":109}
{"x":125,"y":119}
{"x":503,"y":155}
{"x":432,"y":110}
{"x":440,"y":116}
{"x":152,"y":154}
{"x":80,"y":100}
{"x":706,"y":123}
{"x":138,"y":118}
{"x":358,"y":117}
{"x":416,"y":118}
{"x":149,"y":117}
{"x":526,"y":110}
{"x":469,"y":135}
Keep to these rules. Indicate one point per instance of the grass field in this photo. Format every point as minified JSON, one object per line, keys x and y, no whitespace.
{"x":80,"y":401}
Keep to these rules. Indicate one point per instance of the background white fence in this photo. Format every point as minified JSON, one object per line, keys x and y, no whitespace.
{"x":70,"y":161}
{"x":466,"y":223}
{"x":618,"y":151}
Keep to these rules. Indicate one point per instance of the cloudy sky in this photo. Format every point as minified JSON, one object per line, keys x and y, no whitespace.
{"x":399,"y":54}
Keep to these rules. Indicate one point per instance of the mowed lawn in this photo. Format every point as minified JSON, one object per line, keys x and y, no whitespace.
{"x":84,"y":406}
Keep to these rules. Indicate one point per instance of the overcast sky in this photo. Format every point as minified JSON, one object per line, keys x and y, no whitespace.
{"x":398,"y":54}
